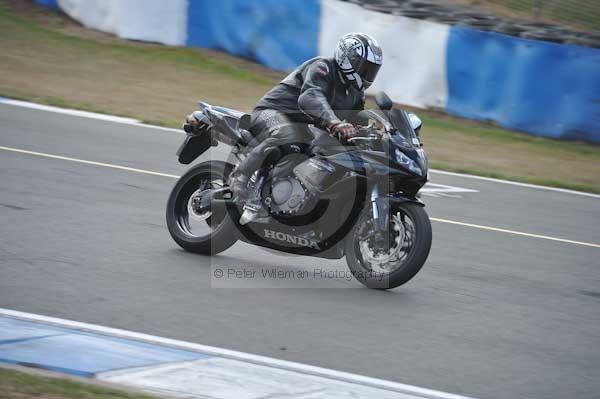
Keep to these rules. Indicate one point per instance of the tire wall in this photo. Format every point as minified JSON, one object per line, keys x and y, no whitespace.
{"x":538,"y":87}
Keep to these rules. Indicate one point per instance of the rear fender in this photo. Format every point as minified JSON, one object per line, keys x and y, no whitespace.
{"x":193,"y":146}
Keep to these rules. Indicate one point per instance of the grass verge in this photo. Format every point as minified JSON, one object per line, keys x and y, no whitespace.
{"x":22,"y":385}
{"x":47,"y":58}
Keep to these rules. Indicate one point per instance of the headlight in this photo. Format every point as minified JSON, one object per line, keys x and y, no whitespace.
{"x":403,"y":160}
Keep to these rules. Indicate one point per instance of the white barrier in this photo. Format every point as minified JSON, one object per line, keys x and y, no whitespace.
{"x":154,"y":21}
{"x":414,"y":51}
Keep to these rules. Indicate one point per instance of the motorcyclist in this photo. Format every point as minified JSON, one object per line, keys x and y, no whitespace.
{"x":325,"y":92}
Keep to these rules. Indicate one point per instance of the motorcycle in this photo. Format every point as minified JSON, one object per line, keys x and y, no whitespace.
{"x":357,"y":199}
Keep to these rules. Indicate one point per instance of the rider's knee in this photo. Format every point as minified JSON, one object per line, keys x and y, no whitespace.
{"x":271,"y":154}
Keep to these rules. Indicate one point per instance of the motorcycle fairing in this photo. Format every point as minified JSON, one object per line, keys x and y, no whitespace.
{"x":345,"y":215}
{"x":270,"y":235}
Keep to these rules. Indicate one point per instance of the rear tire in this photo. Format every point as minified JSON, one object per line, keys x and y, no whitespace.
{"x":222,"y":230}
{"x":409,"y":267}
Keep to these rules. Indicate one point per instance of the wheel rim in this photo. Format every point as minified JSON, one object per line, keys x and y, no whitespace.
{"x":191,"y":219}
{"x":390,"y":252}
{"x":193,"y":211}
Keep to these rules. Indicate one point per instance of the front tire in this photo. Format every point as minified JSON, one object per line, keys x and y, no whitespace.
{"x":407,"y":248}
{"x":207,"y":233}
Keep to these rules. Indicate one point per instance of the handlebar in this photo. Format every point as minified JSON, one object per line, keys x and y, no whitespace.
{"x":361,"y":132}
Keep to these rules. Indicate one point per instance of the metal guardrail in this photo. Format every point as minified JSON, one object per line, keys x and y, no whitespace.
{"x":571,"y":21}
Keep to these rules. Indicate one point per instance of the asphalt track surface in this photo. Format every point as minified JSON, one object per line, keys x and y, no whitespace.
{"x":492,"y":314}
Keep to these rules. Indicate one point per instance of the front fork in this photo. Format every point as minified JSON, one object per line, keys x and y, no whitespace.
{"x":374,"y":207}
{"x":380,"y":208}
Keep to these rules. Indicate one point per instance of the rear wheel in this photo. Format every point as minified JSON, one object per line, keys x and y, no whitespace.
{"x":197,"y":229}
{"x":393,"y":257}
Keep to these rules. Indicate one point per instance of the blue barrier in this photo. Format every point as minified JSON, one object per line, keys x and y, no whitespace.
{"x":537,"y":87}
{"x":48,"y":3}
{"x":280,"y":34}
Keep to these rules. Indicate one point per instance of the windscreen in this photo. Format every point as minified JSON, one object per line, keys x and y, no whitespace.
{"x":406,"y":140}
{"x":408,"y":137}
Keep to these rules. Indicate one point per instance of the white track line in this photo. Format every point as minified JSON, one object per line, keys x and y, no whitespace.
{"x":66,"y":111}
{"x":85,"y":114}
{"x":518,"y":233}
{"x":514,"y":183}
{"x":105,"y":165}
{"x":148,"y":172}
{"x":241,"y":356}
{"x":129,"y":121}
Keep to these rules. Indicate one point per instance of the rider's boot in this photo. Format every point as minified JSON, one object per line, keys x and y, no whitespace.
{"x":253,"y":207}
{"x":238,"y":184}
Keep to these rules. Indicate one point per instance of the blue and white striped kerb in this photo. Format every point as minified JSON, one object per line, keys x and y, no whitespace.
{"x":176,"y":368}
{"x":78,"y":353}
{"x":537,"y":87}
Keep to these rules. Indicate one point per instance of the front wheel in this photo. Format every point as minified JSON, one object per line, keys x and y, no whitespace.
{"x":203,"y":231}
{"x":387,"y":259}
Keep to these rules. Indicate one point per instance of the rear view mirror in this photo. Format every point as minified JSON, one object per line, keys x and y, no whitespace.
{"x":383,"y":101}
{"x":415,"y":122}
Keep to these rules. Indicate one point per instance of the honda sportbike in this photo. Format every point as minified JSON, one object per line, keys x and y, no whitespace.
{"x":357,"y":199}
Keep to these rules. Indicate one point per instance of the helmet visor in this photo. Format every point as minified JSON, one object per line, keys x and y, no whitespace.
{"x":368,"y":72}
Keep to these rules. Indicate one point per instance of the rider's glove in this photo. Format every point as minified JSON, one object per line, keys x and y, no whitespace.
{"x":342,"y":130}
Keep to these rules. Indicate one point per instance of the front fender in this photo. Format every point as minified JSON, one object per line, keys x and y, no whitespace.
{"x":396,"y":198}
{"x":385,"y":202}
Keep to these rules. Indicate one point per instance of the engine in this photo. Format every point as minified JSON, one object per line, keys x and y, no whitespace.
{"x":288,"y":196}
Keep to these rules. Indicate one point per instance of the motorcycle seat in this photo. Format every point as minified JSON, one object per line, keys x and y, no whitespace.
{"x":235,"y":122}
{"x":229,"y":112}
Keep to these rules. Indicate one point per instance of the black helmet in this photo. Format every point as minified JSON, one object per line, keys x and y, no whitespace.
{"x":358,"y":57}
